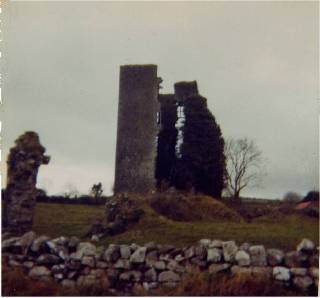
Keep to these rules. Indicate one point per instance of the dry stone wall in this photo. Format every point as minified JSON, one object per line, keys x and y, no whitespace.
{"x":119,"y":268}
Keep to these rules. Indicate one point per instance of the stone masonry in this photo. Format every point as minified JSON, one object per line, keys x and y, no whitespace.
{"x":23,"y":162}
{"x":137,"y":129}
{"x":121,"y":268}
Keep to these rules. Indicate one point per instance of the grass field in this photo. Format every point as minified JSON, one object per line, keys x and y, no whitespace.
{"x":273,"y":231}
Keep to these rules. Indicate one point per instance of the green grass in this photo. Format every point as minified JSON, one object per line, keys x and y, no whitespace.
{"x":283,"y":232}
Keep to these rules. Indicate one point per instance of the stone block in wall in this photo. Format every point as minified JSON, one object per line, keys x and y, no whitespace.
{"x":281,"y":273}
{"x":242,"y":258}
{"x":229,"y":250}
{"x":302,"y":282}
{"x":214,"y":255}
{"x":275,"y":257}
{"x":258,"y":255}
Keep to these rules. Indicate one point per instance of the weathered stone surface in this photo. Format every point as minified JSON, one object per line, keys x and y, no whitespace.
{"x":152,"y":256}
{"x":245,"y":246}
{"x":229,"y":250}
{"x":199,"y":262}
{"x":205,"y":242}
{"x":14,"y":263}
{"x":112,"y":253}
{"x":151,"y":246}
{"x":169,"y":276}
{"x":295,"y":259}
{"x":281,"y":273}
{"x":200,"y":252}
{"x":242,"y":258}
{"x":101,"y":265}
{"x":58,"y":268}
{"x":28,"y":264}
{"x":86,"y":281}
{"x":215,"y":244}
{"x":150,"y":275}
{"x":85,"y":249}
{"x":58,"y":276}
{"x":39,"y":272}
{"x":275,"y":256}
{"x":302,"y":282}
{"x":130,"y":276}
{"x":122,"y":264}
{"x":189,"y":252}
{"x":139,"y":255}
{"x":214,"y":255}
{"x":305,"y":245}
{"x":125,"y":251}
{"x":88,"y":261}
{"x":159,"y":265}
{"x":38,"y":242}
{"x":174,"y":266}
{"x":26,"y":240}
{"x":258,"y":255}
{"x":73,"y":242}
{"x":299,"y":271}
{"x":9,"y":244}
{"x":23,"y":164}
{"x":47,"y":259}
{"x":179,"y":258}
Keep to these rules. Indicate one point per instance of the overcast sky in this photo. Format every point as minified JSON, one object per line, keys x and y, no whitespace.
{"x":256,"y":63}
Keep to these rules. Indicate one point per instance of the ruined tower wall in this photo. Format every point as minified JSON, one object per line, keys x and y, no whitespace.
{"x":137,"y":129}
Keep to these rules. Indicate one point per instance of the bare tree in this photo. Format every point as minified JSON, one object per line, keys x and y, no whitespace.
{"x":96,"y":191}
{"x":244,"y":165}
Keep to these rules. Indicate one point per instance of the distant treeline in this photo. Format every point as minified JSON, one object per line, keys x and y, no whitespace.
{"x":85,"y":200}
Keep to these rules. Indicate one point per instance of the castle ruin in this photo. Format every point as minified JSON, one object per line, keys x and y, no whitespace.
{"x":144,"y":116}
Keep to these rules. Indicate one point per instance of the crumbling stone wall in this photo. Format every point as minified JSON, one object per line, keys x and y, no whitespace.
{"x":167,"y":139}
{"x":23,"y":163}
{"x":121,"y":268}
{"x":137,"y":129}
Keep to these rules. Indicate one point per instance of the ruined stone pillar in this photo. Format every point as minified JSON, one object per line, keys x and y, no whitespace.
{"x":23,"y":163}
{"x":137,"y":129}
